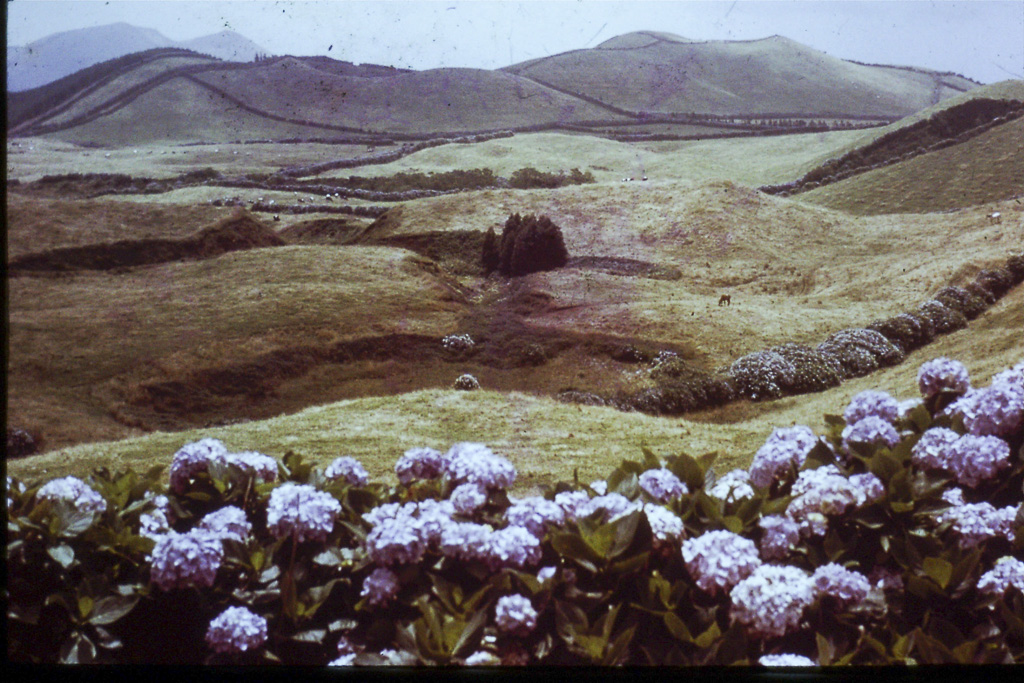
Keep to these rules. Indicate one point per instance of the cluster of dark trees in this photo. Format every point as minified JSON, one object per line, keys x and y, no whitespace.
{"x":528,"y":244}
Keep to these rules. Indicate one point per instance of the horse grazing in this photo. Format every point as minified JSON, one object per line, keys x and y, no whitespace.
{"x":725,"y":300}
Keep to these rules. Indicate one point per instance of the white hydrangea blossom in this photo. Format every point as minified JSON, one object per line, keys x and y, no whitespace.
{"x":515,"y":614}
{"x":483,"y":658}
{"x":1008,"y":571}
{"x":784,"y":451}
{"x":348,"y":468}
{"x":786,"y":660}
{"x":74,"y":491}
{"x":662,"y":485}
{"x":236,"y":629}
{"x":718,"y":560}
{"x":227,"y":523}
{"x":301,"y":510}
{"x":572,"y":502}
{"x":732,"y":486}
{"x":181,"y":560}
{"x":665,"y":524}
{"x":600,"y":486}
{"x":771,"y":600}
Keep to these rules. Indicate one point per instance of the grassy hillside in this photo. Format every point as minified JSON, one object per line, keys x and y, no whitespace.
{"x":774,"y":75}
{"x":986,"y":168}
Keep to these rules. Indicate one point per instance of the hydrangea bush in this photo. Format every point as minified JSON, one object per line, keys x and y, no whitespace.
{"x":894,"y":537}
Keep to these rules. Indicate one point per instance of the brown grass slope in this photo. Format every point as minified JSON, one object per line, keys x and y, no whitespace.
{"x":772,"y":75}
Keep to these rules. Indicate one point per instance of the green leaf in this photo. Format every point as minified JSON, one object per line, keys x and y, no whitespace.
{"x":314,"y":635}
{"x":623,"y":530}
{"x":630,"y":564}
{"x":687,"y":469}
{"x":619,"y":649}
{"x":469,"y":634}
{"x":733,"y":524}
{"x":63,"y":554}
{"x":939,"y":570}
{"x":884,"y":466}
{"x":706,"y":639}
{"x":85,"y":604}
{"x":111,"y":608}
{"x":677,"y":627}
{"x":826,"y":650}
{"x":651,"y":461}
{"x":573,"y":547}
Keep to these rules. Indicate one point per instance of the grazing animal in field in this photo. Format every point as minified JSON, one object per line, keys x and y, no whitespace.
{"x":725,"y":300}
{"x":276,"y":217}
{"x":995,"y":218}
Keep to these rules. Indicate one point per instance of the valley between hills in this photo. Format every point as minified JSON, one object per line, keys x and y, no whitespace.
{"x":199,"y":248}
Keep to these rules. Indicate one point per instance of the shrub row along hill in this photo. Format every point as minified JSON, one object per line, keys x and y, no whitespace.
{"x":894,"y":538}
{"x":791,"y":369}
{"x":942,"y":129}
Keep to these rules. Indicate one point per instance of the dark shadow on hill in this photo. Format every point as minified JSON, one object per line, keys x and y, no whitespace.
{"x":238,"y":232}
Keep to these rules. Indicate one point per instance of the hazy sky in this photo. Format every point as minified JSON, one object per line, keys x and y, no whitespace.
{"x":979,"y":38}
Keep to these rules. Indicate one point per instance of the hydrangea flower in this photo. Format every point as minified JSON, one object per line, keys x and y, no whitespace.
{"x":840,"y":583}
{"x":515,"y":614}
{"x":1014,"y":376}
{"x":600,"y":486}
{"x":732,"y":486}
{"x":476,"y":463}
{"x":572,"y":503}
{"x":976,"y":523}
{"x":786,"y":660}
{"x":465,"y":540}
{"x":666,"y":525}
{"x":483,"y":658}
{"x":1008,"y":571}
{"x":662,"y":485}
{"x":236,"y":630}
{"x":181,"y":560}
{"x":819,"y":494}
{"x":942,"y":374}
{"x":380,"y":586}
{"x":534,"y":514}
{"x":458,"y":342}
{"x":346,"y":653}
{"x":154,"y":524}
{"x":906,"y":406}
{"x":784,"y":451}
{"x":612,"y":505}
{"x":512,"y":546}
{"x":468,"y":498}
{"x":191,"y":459}
{"x":301,"y":510}
{"x":931,"y":450}
{"x":995,"y":410}
{"x":871,"y":404}
{"x":779,"y":536}
{"x":395,"y":541}
{"x":771,"y":600}
{"x":871,"y":430}
{"x":886,"y":579}
{"x":262,"y":466}
{"x":419,"y":463}
{"x":546,"y":574}
{"x":74,"y":491}
{"x":718,"y":560}
{"x":227,"y":523}
{"x":389,"y":511}
{"x":973,"y":459}
{"x":432,"y":516}
{"x":348,"y":467}
{"x":867,"y":487}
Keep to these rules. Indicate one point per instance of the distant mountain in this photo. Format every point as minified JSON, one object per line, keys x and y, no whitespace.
{"x":61,"y":54}
{"x":659,"y":72}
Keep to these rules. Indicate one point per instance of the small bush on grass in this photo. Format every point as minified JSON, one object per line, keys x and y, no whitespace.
{"x":959,"y":299}
{"x":941,"y":317}
{"x":530,"y":244}
{"x":905,"y":330}
{"x":860,"y":351}
{"x":893,"y":538}
{"x":998,"y":281}
{"x":1015,"y":267}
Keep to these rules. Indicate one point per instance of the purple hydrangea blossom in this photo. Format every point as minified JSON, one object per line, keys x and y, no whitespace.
{"x":432,"y":516}
{"x":932,"y":449}
{"x":871,"y":404}
{"x":668,"y":529}
{"x":395,"y":541}
{"x":419,"y":463}
{"x":612,"y":505}
{"x":236,"y":630}
{"x":973,"y":459}
{"x":908,"y":405}
{"x":191,"y":459}
{"x":819,"y":494}
{"x":662,"y":485}
{"x":468,"y":498}
{"x":732,"y":486}
{"x":886,"y":579}
{"x":942,"y":374}
{"x":348,"y":468}
{"x":718,"y":560}
{"x":515,"y":614}
{"x":512,"y":546}
{"x":572,"y":503}
{"x":262,"y":466}
{"x":784,"y":451}
{"x":302,"y":511}
{"x":871,"y":430}
{"x":975,"y":523}
{"x":786,"y":660}
{"x":867,"y":486}
{"x":380,"y":586}
{"x":771,"y":600}
{"x":997,"y":410}
{"x":389,"y":511}
{"x":476,"y":463}
{"x":154,"y":524}
{"x":534,"y":514}
{"x":1008,"y":571}
{"x":74,"y":491}
{"x":227,"y":523}
{"x":465,"y":540}
{"x":780,"y":536}
{"x":840,"y":583}
{"x":181,"y":560}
